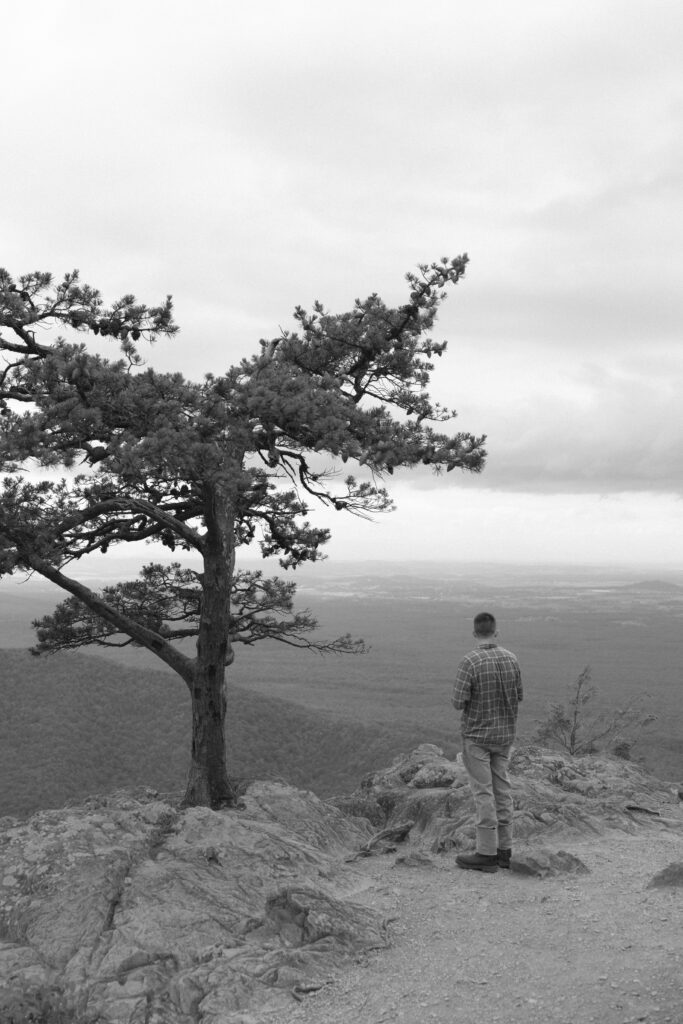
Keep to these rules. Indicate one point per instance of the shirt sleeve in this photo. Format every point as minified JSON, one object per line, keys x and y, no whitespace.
{"x":462,"y":688}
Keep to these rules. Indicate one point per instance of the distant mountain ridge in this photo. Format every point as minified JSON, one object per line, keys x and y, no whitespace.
{"x":663,"y":586}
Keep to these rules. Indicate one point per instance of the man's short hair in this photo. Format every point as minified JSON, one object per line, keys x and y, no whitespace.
{"x":484,"y":624}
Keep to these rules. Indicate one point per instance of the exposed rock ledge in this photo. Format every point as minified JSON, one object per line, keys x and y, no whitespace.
{"x":136,"y":912}
{"x":554,"y":795}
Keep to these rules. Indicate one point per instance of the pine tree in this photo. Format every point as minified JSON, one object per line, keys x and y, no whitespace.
{"x":205,"y":467}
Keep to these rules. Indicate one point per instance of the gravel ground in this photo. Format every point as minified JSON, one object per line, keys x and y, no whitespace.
{"x":508,"y":949}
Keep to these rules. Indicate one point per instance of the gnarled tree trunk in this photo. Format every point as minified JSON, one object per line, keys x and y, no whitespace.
{"x":208,"y":783}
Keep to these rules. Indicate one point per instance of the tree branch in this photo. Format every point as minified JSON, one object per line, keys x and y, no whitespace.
{"x":155,"y":643}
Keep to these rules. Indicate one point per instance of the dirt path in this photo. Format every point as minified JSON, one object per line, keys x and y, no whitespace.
{"x":471,"y":948}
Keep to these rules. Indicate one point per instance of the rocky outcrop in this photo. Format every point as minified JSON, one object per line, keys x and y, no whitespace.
{"x":555,"y":795}
{"x":127,"y":910}
{"x":139,"y":912}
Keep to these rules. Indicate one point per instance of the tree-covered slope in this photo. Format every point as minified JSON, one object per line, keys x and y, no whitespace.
{"x":72,"y":725}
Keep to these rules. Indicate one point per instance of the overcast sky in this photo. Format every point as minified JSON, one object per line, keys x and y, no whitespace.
{"x":251,"y":157}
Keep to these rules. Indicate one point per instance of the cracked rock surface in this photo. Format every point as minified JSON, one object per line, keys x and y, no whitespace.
{"x":138,"y":912}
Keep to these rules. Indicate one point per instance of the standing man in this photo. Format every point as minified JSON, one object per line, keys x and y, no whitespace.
{"x":488,"y":688}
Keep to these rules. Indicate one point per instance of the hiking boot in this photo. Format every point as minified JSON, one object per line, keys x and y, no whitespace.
{"x":504,"y":858}
{"x":477,"y":862}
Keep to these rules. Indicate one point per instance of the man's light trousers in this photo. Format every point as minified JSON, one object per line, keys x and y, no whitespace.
{"x":487,"y":768}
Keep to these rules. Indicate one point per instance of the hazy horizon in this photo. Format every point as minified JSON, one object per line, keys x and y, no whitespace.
{"x":104,"y":569}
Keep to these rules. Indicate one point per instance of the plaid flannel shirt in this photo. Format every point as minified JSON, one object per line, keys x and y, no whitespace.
{"x":487,"y":689}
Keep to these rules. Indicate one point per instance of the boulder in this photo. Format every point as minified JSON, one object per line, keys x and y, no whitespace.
{"x":670,"y":877}
{"x":306,"y":917}
{"x":541,"y":862}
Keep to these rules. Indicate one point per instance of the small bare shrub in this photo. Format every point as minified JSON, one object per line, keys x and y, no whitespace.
{"x":578,"y":730}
